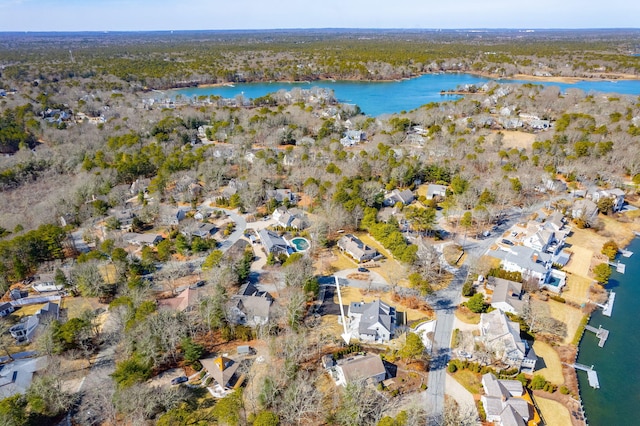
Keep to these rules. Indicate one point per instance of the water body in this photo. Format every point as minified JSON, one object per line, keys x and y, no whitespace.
{"x":617,"y":402}
{"x":377,"y":98}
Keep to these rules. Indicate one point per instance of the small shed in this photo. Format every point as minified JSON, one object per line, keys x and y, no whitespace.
{"x":245,"y":350}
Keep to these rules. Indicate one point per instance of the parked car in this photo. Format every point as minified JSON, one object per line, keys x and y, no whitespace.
{"x":507,"y":242}
{"x":200,"y":283}
{"x":178,"y":380}
{"x":361,"y":269}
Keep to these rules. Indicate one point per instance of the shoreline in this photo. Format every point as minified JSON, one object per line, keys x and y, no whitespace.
{"x":542,"y":79}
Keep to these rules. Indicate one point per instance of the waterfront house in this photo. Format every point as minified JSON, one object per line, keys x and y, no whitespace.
{"x":358,"y":368}
{"x":355,"y":248}
{"x":585,"y":209}
{"x":501,"y":337}
{"x":503,"y":402}
{"x":372,"y":322}
{"x":616,"y":195}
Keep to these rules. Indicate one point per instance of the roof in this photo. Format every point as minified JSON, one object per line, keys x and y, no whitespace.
{"x":524,"y":258}
{"x":361,"y":367}
{"x":181,"y":302}
{"x":506,"y":291}
{"x":221,"y":369}
{"x":434,"y":189}
{"x":253,"y":306}
{"x":16,"y":376}
{"x":272,"y":240}
{"x":495,"y":326}
{"x":354,"y":246}
{"x":376,"y":312}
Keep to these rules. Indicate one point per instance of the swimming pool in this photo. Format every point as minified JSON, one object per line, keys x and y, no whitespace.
{"x":300,"y":244}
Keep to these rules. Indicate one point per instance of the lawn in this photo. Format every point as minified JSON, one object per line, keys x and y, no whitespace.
{"x":567,"y":314}
{"x":553,"y":412}
{"x":25,"y":311}
{"x":466,"y":316}
{"x":553,"y":370}
{"x":342,"y":261}
{"x":470,"y":380}
{"x":577,"y":289}
{"x":580,"y":261}
{"x":77,"y":305}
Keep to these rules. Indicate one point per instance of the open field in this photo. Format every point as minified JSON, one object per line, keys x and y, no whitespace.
{"x":514,"y":139}
{"x":577,"y":289}
{"x":553,"y":412}
{"x":553,"y":370}
{"x":25,"y":311}
{"x":580,"y":260}
{"x":567,"y":314}
{"x":75,"y":306}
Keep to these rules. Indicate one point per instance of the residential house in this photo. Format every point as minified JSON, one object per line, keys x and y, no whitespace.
{"x":288,"y":219}
{"x":501,"y":336}
{"x":353,"y":137}
{"x":273,"y":243}
{"x":434,"y":190}
{"x":142,"y":239}
{"x":556,"y":221}
{"x":353,"y":369}
{"x":585,"y":209}
{"x":503,"y":402}
{"x":223,"y":370}
{"x":355,"y":248}
{"x":202,"y":230}
{"x":6,"y":309}
{"x":139,"y":185}
{"x":16,"y":376}
{"x":250,"y":306}
{"x":405,"y":197}
{"x":26,"y":329}
{"x":555,"y":185}
{"x":507,"y":295}
{"x":183,"y":302}
{"x":124,"y":216}
{"x":533,"y":265}
{"x":372,"y":322}
{"x":172,"y":215}
{"x":616,"y":195}
{"x":281,"y":195}
{"x":203,"y":213}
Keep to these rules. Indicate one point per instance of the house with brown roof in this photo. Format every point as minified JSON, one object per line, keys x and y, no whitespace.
{"x":183,"y":302}
{"x":223,"y":370}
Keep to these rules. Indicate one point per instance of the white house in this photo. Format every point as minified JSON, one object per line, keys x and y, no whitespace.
{"x":372,"y":322}
{"x":434,"y":190}
{"x":507,"y":295}
{"x":503,"y":402}
{"x":355,"y":248}
{"x":501,"y":336}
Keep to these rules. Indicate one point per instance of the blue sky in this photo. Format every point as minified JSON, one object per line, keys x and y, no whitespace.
{"x":114,"y":15}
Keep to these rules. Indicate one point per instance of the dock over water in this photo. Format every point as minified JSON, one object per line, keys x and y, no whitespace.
{"x":608,"y":307}
{"x":600,"y":333}
{"x":592,"y":376}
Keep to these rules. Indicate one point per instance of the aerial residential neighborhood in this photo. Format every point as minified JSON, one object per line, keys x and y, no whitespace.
{"x":203,"y":229}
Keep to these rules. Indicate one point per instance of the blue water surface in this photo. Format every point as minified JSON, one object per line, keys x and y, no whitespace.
{"x":377,"y":98}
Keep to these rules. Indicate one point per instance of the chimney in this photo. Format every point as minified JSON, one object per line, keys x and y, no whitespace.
{"x":535,"y":257}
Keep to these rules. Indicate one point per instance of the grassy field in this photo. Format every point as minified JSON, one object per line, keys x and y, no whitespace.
{"x":470,"y":380}
{"x":580,"y":261}
{"x":567,"y":314}
{"x":554,"y":412}
{"x":466,"y":316}
{"x":577,"y":289}
{"x":77,"y":305}
{"x":553,"y":369}
{"x":25,"y":311}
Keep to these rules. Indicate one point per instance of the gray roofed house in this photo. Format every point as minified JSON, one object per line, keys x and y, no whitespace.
{"x":616,"y":195}
{"x":26,"y":329}
{"x":288,"y":219}
{"x":502,"y":401}
{"x":250,"y":306}
{"x":172,"y":215}
{"x":434,"y":190}
{"x":282,"y":195}
{"x":507,"y":295}
{"x":373,"y":322}
{"x":585,"y":209}
{"x":16,"y":376}
{"x":273,"y":243}
{"x":355,"y":248}
{"x":142,"y":239}
{"x":202,"y":230}
{"x":353,"y":137}
{"x":6,"y":309}
{"x":405,"y":197}
{"x":360,"y":368}
{"x":501,"y":336}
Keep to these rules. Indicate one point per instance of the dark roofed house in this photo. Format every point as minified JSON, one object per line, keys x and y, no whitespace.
{"x":281,"y":195}
{"x":355,"y":248}
{"x":372,"y":322}
{"x":273,"y":243}
{"x":250,"y":306}
{"x":6,"y":309}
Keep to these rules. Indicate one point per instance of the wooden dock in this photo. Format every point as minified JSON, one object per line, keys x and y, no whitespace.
{"x":600,"y":333}
{"x":626,"y":253}
{"x":608,"y":307}
{"x":592,"y":376}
